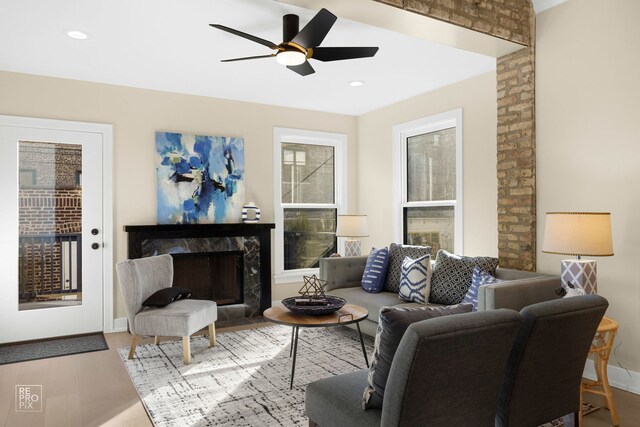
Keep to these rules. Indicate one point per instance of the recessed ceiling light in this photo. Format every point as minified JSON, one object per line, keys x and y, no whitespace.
{"x":356,"y":83}
{"x":78,"y":35}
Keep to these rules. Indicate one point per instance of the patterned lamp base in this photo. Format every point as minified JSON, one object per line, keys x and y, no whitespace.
{"x":581,"y":273}
{"x":352,"y":248}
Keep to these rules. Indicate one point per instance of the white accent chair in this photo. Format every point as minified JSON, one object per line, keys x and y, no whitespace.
{"x":142,"y":277}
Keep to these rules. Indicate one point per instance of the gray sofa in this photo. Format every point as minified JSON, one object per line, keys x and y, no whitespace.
{"x":344,"y":275}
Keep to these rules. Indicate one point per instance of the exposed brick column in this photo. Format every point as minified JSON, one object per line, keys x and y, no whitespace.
{"x":516,"y":165}
{"x":506,"y":19}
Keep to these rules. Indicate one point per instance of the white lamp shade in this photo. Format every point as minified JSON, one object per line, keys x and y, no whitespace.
{"x":352,"y":226}
{"x":578,"y":234}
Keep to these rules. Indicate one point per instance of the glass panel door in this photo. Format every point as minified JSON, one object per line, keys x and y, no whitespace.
{"x":51,"y":219}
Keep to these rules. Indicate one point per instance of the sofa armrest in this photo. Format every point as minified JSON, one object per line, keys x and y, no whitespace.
{"x":517,"y":294}
{"x":342,"y":272}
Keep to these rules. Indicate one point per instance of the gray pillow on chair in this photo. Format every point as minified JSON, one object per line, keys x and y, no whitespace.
{"x":392,"y":324}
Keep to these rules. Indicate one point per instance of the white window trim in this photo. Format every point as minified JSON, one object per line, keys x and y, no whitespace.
{"x":339,"y":143}
{"x":403,"y":131}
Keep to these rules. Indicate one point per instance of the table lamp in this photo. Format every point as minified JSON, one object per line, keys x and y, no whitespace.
{"x":352,"y":226}
{"x":580,"y":234}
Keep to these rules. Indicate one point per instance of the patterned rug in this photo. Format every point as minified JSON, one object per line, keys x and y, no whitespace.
{"x":22,"y":352}
{"x":244,"y":380}
{"x":587,"y":408}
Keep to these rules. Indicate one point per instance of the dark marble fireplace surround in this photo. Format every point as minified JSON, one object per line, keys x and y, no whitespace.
{"x":252,"y":239}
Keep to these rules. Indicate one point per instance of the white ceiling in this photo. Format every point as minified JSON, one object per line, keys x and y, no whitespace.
{"x":168,"y":45}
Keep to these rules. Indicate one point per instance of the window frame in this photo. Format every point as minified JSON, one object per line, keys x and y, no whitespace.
{"x":299,"y":136}
{"x":401,"y":133}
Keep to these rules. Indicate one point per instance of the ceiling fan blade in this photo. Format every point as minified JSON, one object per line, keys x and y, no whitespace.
{"x":303,"y":69}
{"x":248,"y":57}
{"x":316,"y":30}
{"x":264,"y":42}
{"x":341,"y":53}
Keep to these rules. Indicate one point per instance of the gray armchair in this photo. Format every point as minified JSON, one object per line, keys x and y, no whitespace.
{"x":139,"y":279}
{"x":541,"y":381}
{"x":447,"y":372}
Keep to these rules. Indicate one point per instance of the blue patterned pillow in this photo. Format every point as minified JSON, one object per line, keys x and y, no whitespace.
{"x":397,"y":254}
{"x":452,"y":276}
{"x":376,"y":270}
{"x":415,"y":279}
{"x":478,"y":278}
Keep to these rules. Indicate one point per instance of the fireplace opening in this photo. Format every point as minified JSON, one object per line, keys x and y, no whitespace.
{"x":216,"y":276}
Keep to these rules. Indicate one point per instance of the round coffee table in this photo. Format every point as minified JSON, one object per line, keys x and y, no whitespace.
{"x":347,"y":315}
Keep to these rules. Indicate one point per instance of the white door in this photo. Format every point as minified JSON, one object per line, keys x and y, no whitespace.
{"x":51,"y":231}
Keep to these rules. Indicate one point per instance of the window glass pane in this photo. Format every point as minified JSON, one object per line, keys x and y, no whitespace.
{"x":50,"y":225}
{"x":432,"y":226}
{"x":309,"y":234}
{"x":307,"y":173}
{"x":431,"y":166}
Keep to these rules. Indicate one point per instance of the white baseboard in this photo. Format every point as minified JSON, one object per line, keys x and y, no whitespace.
{"x":618,"y":377}
{"x":120,"y":324}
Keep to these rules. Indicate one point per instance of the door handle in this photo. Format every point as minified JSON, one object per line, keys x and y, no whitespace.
{"x":94,"y":231}
{"x":95,"y":246}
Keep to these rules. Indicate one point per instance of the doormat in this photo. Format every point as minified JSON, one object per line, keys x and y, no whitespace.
{"x":587,"y":408}
{"x":55,"y":347}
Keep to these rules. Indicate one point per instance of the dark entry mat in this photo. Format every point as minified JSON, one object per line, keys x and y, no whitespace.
{"x":42,"y":349}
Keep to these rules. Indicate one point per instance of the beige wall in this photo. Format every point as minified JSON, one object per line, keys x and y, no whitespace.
{"x":588,"y":139}
{"x":136,"y":114}
{"x":477,"y":97}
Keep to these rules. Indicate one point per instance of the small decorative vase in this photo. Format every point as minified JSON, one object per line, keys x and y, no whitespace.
{"x":250,"y":213}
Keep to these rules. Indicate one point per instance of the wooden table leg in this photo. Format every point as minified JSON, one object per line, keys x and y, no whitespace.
{"x":601,"y":350}
{"x":608,"y":394}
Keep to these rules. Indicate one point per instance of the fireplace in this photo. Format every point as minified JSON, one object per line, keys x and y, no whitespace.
{"x":216,"y":276}
{"x":226,"y":263}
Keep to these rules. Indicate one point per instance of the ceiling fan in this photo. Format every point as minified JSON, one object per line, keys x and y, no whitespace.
{"x":299,"y":46}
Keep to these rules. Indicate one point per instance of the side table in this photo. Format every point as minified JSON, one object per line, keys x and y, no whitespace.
{"x":601,"y":350}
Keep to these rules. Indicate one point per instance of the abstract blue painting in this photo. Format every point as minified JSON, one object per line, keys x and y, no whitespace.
{"x":200,"y":179}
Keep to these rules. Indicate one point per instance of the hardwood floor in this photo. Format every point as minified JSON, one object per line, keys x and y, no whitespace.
{"x":94,"y":389}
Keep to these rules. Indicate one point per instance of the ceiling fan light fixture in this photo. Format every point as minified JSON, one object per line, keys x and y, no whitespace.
{"x":291,"y":57}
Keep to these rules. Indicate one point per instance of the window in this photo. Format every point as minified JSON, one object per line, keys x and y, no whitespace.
{"x":27,"y":178}
{"x":428,"y":182}
{"x":310,"y":191}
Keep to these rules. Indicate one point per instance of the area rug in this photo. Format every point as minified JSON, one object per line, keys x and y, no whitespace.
{"x":13,"y":353}
{"x":244,"y":380}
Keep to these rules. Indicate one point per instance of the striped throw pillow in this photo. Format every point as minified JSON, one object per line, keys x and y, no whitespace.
{"x":375,"y":270}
